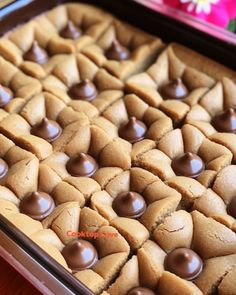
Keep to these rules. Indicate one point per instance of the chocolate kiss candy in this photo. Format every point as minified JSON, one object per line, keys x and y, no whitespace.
{"x":184,"y":263}
{"x":190,"y":165}
{"x":225,"y":121}
{"x":85,"y":90}
{"x":38,"y":205}
{"x":70,"y":31}
{"x":131,"y":205}
{"x":47,"y":129}
{"x":117,"y":52}
{"x":141,"y":291}
{"x":82,"y":165}
{"x":3,"y":168}
{"x":36,"y":54}
{"x":174,"y":90}
{"x":5,"y":95}
{"x":133,"y":131}
{"x":231,"y":209}
{"x":79,"y":255}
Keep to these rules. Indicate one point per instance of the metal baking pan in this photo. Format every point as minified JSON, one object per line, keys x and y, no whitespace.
{"x":163,"y":21}
{"x":25,"y":256}
{"x":172,"y":26}
{"x":35,"y":265}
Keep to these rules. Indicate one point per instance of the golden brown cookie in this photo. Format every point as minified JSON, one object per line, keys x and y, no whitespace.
{"x":138,"y":185}
{"x":114,"y":145}
{"x":195,"y":237}
{"x":123,"y":50}
{"x":169,"y":78}
{"x":101,"y":272}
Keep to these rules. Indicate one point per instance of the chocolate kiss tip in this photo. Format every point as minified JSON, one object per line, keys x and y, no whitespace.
{"x":129,"y":204}
{"x":80,"y":255}
{"x":3,"y":168}
{"x":35,"y":44}
{"x":189,"y":164}
{"x":117,"y":51}
{"x":186,"y":256}
{"x":70,"y":23}
{"x":36,"y":54}
{"x":70,"y":31}
{"x":131,"y":195}
{"x":6,"y":95}
{"x":225,"y":121}
{"x":141,"y":291}
{"x":82,"y":165}
{"x":133,"y":131}
{"x":230,"y":111}
{"x":84,"y":90}
{"x":175,"y":89}
{"x":184,"y":262}
{"x":47,"y":129}
{"x":38,"y":205}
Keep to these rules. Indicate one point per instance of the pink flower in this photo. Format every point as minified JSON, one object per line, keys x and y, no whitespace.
{"x":218,"y":12}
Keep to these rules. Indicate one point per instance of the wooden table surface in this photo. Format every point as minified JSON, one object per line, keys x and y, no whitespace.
{"x":12,"y":283}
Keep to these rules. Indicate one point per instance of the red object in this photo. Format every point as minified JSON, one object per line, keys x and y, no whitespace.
{"x":218,"y":12}
{"x":12,"y":283}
